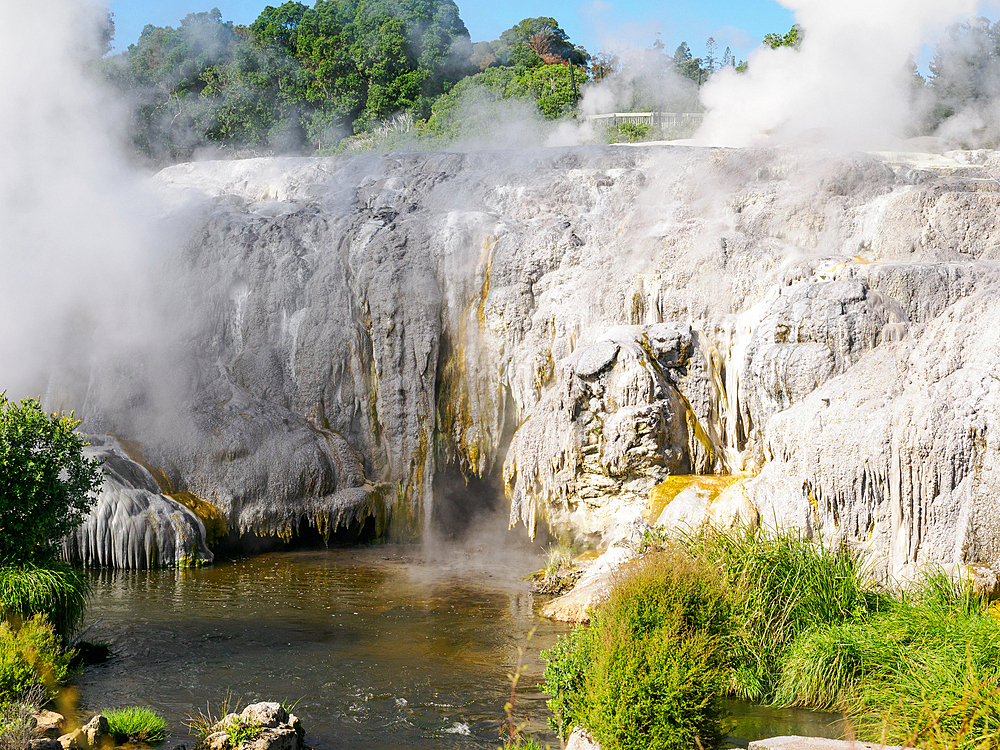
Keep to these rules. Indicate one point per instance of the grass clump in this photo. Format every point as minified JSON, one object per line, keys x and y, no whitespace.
{"x":778,"y":620}
{"x":921,"y":672}
{"x":31,"y":657}
{"x":54,"y":589}
{"x":779,"y":588}
{"x":203,"y":723}
{"x":136,"y":724}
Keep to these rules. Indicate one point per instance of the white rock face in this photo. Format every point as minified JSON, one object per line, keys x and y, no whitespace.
{"x":589,"y":322}
{"x":133,"y":525}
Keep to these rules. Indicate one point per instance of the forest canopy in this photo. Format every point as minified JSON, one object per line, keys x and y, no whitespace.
{"x":343,"y":73}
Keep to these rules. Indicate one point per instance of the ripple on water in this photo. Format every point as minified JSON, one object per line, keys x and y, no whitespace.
{"x":379,"y":648}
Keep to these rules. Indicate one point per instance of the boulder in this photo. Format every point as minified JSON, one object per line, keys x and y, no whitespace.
{"x":49,"y":723}
{"x":93,"y":735}
{"x":276,"y":729}
{"x":592,"y":587}
{"x":581,"y":739}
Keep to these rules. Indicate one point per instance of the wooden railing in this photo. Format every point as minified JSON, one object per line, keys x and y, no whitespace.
{"x":653,"y":119}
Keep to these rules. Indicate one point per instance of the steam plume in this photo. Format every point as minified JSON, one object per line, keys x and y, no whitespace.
{"x":845,"y":86}
{"x":72,"y":213}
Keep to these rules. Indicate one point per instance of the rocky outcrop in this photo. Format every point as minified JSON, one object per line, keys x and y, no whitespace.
{"x":592,"y":324}
{"x":259,"y":726}
{"x":132,"y":524}
{"x":93,"y":735}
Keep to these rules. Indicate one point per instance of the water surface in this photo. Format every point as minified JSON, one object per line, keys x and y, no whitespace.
{"x":379,"y":647}
{"x":386,"y":646}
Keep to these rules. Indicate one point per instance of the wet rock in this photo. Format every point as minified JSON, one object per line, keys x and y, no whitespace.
{"x":49,"y":723}
{"x":268,"y":724}
{"x":44,"y":743}
{"x":591,"y":588}
{"x":93,"y":735}
{"x":132,"y":524}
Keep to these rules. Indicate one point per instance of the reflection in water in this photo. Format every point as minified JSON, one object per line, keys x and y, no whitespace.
{"x":748,"y":722}
{"x":378,"y":647}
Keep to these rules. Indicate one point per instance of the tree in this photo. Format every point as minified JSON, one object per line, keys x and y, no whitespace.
{"x":710,"y":46}
{"x":537,"y":41}
{"x":791,"y":39}
{"x":47,"y":485}
{"x":686,"y":65}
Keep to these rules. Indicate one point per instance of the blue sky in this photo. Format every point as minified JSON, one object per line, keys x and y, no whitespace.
{"x":739,"y":24}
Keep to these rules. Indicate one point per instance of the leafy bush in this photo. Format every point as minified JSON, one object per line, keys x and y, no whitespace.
{"x":55,"y":589}
{"x":630,"y":132}
{"x":30,"y":656}
{"x":565,"y":676}
{"x":648,"y":671}
{"x":46,"y":483}
{"x":136,"y":724}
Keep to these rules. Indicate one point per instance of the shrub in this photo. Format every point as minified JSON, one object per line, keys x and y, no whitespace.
{"x":630,"y":132}
{"x":17,"y":724}
{"x":136,"y":724}
{"x":29,"y":656}
{"x":46,"y":483}
{"x":647,"y":672}
{"x":565,"y":673}
{"x":55,"y":589}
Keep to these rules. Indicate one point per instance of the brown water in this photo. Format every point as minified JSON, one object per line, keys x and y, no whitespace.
{"x":378,"y":647}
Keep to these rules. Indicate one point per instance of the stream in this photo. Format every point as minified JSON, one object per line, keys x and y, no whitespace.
{"x":384,"y":646}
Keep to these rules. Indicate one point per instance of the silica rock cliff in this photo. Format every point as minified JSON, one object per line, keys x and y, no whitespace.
{"x":593,"y":326}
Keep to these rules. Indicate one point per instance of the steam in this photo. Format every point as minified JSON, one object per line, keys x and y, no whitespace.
{"x":75,"y":219}
{"x":846,"y":87}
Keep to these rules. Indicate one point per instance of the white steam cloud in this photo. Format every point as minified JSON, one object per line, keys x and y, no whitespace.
{"x":846,"y":87}
{"x":74,"y":217}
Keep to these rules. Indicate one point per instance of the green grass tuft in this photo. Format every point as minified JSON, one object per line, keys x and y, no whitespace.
{"x":779,"y":588}
{"x":136,"y":724}
{"x":56,"y":590}
{"x":240,"y":730}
